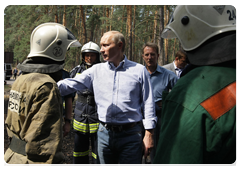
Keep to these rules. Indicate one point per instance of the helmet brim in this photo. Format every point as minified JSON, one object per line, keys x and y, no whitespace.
{"x":90,"y":51}
{"x":168,"y":34}
{"x":75,"y":43}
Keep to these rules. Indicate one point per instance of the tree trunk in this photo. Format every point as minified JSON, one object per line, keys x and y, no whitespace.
{"x":102,"y":31}
{"x":83,"y":24}
{"x":129,"y":23}
{"x":80,"y":28}
{"x":98,"y":30}
{"x":92,"y":29}
{"x":122,"y":18}
{"x":165,"y":40}
{"x":56,"y":14}
{"x":76,"y":61}
{"x":133,"y":33}
{"x":147,"y":26}
{"x":111,"y":17}
{"x":126,"y":34}
{"x":75,"y":23}
{"x":160,"y":40}
{"x":107,"y":20}
{"x":64,"y":16}
{"x":155,"y":27}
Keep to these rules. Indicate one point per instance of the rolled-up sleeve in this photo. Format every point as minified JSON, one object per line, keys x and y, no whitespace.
{"x":150,"y":118}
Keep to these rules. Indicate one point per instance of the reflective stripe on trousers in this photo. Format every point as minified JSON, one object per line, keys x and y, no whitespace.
{"x":85,"y":128}
{"x":77,"y":154}
{"x":86,"y":153}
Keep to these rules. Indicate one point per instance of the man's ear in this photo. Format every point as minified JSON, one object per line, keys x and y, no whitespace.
{"x":120,"y":45}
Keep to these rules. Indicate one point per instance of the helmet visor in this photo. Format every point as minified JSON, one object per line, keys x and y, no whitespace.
{"x":168,"y":34}
{"x":75,"y":42}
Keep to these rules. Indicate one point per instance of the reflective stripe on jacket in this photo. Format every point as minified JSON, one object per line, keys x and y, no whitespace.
{"x":85,"y":114}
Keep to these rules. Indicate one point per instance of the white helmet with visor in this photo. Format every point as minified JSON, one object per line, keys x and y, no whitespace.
{"x":195,"y":24}
{"x":51,"y":40}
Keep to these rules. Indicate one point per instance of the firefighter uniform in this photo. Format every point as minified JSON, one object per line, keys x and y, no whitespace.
{"x":34,"y":118}
{"x":34,"y":121}
{"x":202,"y":126}
{"x":85,"y":123}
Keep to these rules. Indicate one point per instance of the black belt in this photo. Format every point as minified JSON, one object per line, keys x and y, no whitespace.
{"x":86,"y":99}
{"x":119,"y":128}
{"x":17,"y":145}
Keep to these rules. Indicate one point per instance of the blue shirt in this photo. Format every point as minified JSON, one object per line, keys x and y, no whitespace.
{"x":65,"y":74}
{"x":119,"y":92}
{"x":162,"y":80}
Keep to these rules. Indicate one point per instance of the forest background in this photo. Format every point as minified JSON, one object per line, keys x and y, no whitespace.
{"x":138,"y":23}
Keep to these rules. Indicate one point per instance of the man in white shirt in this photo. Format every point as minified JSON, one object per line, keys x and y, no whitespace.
{"x":120,"y":87}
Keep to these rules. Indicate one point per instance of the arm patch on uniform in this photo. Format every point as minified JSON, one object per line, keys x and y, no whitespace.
{"x":221,"y":102}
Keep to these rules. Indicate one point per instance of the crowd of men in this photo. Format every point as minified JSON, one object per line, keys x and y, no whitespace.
{"x":180,"y":113}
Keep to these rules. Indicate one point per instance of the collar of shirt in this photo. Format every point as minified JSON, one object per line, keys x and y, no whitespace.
{"x":177,"y":69}
{"x":158,"y":69}
{"x":121,"y":64}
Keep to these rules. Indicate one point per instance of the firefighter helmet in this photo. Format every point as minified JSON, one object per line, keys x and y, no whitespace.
{"x":51,"y":40}
{"x":194,"y":24}
{"x":91,"y":47}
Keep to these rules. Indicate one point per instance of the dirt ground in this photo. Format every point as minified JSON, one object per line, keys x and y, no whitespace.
{"x":68,"y":141}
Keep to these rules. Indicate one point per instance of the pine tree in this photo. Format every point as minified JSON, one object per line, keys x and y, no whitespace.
{"x":139,"y":24}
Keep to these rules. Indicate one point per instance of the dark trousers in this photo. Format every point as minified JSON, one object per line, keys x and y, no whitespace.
{"x":82,"y":143}
{"x":120,"y":147}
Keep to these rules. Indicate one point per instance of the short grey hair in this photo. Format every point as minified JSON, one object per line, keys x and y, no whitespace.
{"x":117,"y":38}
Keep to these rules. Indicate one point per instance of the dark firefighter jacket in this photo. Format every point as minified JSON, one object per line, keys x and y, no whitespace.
{"x":85,"y":113}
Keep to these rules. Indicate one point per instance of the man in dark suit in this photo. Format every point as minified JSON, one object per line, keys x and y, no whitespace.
{"x":178,"y":64}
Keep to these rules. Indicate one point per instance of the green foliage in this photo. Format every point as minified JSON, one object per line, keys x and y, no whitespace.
{"x":20,"y":20}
